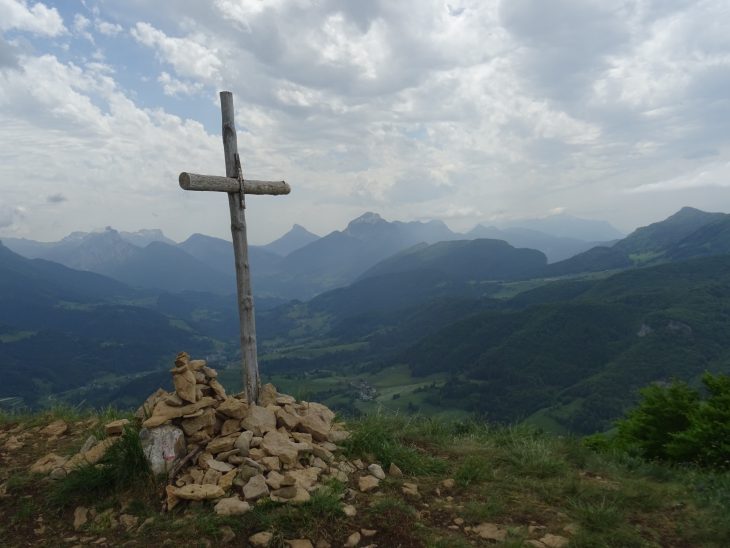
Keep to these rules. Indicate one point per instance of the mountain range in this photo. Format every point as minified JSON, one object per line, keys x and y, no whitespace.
{"x":298,"y":265}
{"x":474,"y":325}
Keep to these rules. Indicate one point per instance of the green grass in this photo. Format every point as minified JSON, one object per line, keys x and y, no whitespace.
{"x":385,"y":439}
{"x":514,"y":477}
{"x":473,"y":470}
{"x":123,"y":467}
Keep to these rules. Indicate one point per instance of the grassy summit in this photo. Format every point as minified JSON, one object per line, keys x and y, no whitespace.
{"x":473,"y":483}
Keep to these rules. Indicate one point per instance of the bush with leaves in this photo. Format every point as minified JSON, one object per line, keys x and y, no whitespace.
{"x":675,"y":423}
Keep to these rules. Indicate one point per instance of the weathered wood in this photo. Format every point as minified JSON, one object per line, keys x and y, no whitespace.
{"x":251,"y":377}
{"x":194,"y":181}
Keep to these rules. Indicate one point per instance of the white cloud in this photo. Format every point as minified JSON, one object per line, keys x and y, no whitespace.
{"x":81,"y":27}
{"x":107,"y":28}
{"x":173,"y":87}
{"x":187,"y":56}
{"x":36,"y":18}
{"x":414,"y":108}
{"x":713,"y":175}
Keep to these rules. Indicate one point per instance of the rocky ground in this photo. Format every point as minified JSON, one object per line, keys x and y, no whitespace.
{"x":272,"y":475}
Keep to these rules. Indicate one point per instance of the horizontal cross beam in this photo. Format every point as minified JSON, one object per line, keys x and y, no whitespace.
{"x":193,"y":181}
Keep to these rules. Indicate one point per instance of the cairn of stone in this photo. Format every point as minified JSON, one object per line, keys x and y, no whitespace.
{"x":215,"y":446}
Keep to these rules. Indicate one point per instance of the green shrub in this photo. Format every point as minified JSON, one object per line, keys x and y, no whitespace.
{"x":661,"y":413}
{"x":675,"y":424}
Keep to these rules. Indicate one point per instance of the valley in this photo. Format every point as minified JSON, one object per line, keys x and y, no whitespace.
{"x":457,"y":328}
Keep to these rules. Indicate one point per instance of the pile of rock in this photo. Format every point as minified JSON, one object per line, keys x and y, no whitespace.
{"x":92,"y":451}
{"x":221,"y":447}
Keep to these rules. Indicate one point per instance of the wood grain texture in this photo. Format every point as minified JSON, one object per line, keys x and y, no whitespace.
{"x":251,"y":378}
{"x":195,"y":181}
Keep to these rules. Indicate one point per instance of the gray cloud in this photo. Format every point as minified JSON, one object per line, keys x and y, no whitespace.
{"x":413,"y":108}
{"x":56,"y":198}
{"x":8,"y":55}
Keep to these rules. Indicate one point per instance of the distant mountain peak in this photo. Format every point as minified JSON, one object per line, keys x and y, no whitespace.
{"x":296,"y":238}
{"x":368,"y":218}
{"x":690,"y":212}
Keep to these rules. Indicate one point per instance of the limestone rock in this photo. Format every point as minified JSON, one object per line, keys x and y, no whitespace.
{"x":271,"y":463}
{"x":218,"y":445}
{"x":259,"y":420}
{"x":48,"y":463}
{"x":287,"y":420}
{"x":349,"y":510}
{"x":233,"y":408}
{"x":490,"y":531}
{"x":260,"y":540}
{"x":267,"y":395}
{"x":198,"y":492}
{"x":220,"y":466}
{"x":306,"y":478}
{"x":337,"y":436}
{"x":410,"y":490}
{"x":353,"y":540}
{"x":368,"y":532}
{"x":554,"y":541}
{"x":367,"y":483}
{"x":256,"y":488}
{"x":164,"y":412}
{"x":162,"y":446}
{"x":204,"y":420}
{"x":274,"y":479}
{"x":316,"y":425}
{"x":285,"y":493}
{"x":183,"y":379}
{"x":394,"y":471}
{"x":448,"y":484}
{"x":243,"y":442}
{"x":226,"y":481}
{"x":285,"y":400}
{"x":145,"y":410}
{"x":116,"y":428}
{"x":377,"y":471}
{"x":96,"y":453}
{"x":90,"y":442}
{"x":218,"y":389}
{"x":227,"y":535}
{"x":128,"y":521}
{"x":81,"y":516}
{"x":230,"y":426}
{"x":301,"y":496}
{"x":211,"y":477}
{"x":232,"y":506}
{"x":197,"y":365}
{"x":299,"y":543}
{"x":55,"y":429}
{"x":278,"y":445}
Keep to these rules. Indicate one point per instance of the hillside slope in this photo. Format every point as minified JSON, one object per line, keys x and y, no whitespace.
{"x":456,"y":484}
{"x":465,"y":260}
{"x":63,"y":329}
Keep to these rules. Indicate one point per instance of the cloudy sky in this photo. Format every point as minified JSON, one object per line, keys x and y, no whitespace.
{"x":465,"y":111}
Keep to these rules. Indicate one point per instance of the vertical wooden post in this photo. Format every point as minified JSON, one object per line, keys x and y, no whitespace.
{"x":251,"y":380}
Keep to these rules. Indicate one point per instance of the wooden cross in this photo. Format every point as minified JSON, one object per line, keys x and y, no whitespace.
{"x":237,"y":188}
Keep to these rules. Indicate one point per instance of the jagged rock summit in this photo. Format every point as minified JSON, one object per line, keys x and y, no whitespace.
{"x":215,"y":446}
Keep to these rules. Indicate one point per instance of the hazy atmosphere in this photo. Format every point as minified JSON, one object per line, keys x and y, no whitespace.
{"x":466,"y":112}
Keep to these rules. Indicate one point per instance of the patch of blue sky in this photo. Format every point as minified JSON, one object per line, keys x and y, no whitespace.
{"x":418,"y":134}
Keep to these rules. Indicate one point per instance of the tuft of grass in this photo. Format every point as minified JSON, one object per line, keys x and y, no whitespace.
{"x":477,"y":512}
{"x":394,"y":517}
{"x":319,"y":517}
{"x":535,"y":455}
{"x":123,"y":466}
{"x":385,"y":438}
{"x":448,"y":542}
{"x":472,"y":470}
{"x":597,"y":516}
